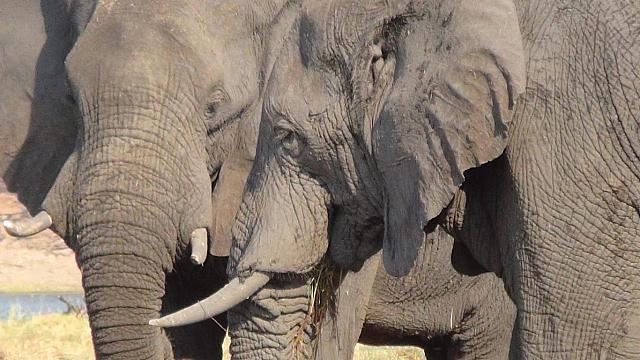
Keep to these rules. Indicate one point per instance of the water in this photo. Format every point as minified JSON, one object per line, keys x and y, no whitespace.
{"x":26,"y":304}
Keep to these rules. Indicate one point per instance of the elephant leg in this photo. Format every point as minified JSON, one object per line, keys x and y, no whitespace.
{"x":485,"y":332}
{"x":185,"y":286}
{"x":484,"y":329}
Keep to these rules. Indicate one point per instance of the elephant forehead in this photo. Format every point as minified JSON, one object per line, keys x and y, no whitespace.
{"x":298,"y":100}
{"x":170,"y":28}
{"x":334,"y":30}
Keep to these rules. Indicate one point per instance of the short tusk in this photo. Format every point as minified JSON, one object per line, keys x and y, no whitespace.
{"x":28,"y":227}
{"x":226,"y":298}
{"x":199,"y":246}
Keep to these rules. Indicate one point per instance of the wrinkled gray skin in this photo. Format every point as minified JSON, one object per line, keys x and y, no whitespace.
{"x":163,"y":99}
{"x":435,"y":307}
{"x":450,"y":315}
{"x":37,"y":113}
{"x":512,"y":123}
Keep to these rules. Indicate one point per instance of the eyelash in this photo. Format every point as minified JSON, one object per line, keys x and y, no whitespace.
{"x":289,"y":140}
{"x":282,"y":133}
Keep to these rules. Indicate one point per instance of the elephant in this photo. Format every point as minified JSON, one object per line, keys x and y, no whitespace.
{"x":134,"y":147}
{"x":512,"y":122}
{"x":38,"y":132}
{"x":51,"y":116}
{"x":435,"y":307}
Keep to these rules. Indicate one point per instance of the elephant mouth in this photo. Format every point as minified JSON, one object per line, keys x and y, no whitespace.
{"x":283,"y":319}
{"x":232,"y":294}
{"x":274,"y":323}
{"x":264,"y":290}
{"x":290,"y":290}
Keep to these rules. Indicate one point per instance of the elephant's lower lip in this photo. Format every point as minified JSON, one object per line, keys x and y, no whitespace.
{"x":279,"y":297}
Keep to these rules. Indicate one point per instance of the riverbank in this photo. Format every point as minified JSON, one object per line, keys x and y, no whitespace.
{"x":40,"y":263}
{"x":55,"y":337}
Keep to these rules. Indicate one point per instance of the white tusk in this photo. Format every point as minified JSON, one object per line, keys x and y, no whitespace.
{"x":199,"y":246}
{"x":28,"y":227}
{"x":226,"y":298}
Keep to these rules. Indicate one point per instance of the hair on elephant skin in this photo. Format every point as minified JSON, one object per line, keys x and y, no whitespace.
{"x":512,"y":123}
{"x":133,"y":125}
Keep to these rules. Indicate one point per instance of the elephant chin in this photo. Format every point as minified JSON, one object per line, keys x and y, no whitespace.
{"x":235,"y":292}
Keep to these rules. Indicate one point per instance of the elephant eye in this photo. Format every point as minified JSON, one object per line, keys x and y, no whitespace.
{"x":210,"y":109}
{"x":216,"y":98}
{"x":289,"y":140}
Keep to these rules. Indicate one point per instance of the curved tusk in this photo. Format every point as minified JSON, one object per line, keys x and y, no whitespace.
{"x":199,"y":246}
{"x":229,"y":296}
{"x":28,"y":227}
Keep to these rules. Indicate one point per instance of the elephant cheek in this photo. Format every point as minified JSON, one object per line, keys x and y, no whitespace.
{"x":284,"y":248}
{"x":354,"y":239}
{"x":281,"y":227}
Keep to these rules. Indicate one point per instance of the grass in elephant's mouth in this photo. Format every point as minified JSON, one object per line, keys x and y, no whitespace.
{"x":321,"y":283}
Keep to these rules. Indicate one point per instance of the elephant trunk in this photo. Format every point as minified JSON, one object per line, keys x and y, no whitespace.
{"x":122,"y":292}
{"x":275,"y":324}
{"x":121,"y":246}
{"x":141,"y":194}
{"x":281,"y":230}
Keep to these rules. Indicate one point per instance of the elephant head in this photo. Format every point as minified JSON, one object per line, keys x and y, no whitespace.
{"x":378,"y":121}
{"x":372,"y":114}
{"x":168,"y":97}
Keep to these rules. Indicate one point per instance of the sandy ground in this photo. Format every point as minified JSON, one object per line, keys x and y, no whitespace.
{"x":38,"y":263}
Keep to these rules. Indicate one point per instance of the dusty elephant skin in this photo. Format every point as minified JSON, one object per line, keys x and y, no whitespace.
{"x":435,"y":307}
{"x":163,"y":99}
{"x":526,"y":110}
{"x":450,"y":315}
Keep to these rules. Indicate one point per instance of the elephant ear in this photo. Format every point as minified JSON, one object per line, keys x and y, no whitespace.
{"x":226,"y":198}
{"x":459,"y":69}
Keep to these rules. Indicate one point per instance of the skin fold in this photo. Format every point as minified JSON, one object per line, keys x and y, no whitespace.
{"x":436,"y":307}
{"x":140,"y":130}
{"x":513,"y":124}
